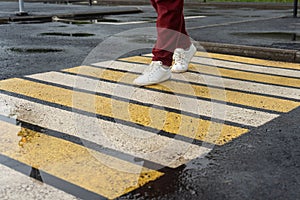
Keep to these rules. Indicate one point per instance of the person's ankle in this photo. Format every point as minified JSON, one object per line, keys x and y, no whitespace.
{"x":166,"y":67}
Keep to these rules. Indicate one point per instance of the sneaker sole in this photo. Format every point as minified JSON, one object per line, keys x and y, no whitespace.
{"x":178,"y":71}
{"x":153,"y":83}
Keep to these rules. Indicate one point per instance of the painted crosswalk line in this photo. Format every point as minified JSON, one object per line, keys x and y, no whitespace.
{"x":245,"y":99}
{"x":72,"y":162}
{"x":174,"y":123}
{"x":91,"y":133}
{"x":240,"y":85}
{"x":248,"y":68}
{"x":246,"y":64}
{"x":26,"y":187}
{"x":247,"y":60}
{"x":241,"y":116}
{"x":230,"y":73}
{"x":54,"y":118}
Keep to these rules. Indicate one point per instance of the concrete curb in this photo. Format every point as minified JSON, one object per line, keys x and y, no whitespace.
{"x":251,"y":51}
{"x":215,"y":4}
{"x":79,"y":15}
{"x":261,"y":6}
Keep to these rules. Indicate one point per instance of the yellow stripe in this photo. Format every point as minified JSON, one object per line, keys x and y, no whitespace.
{"x":73,"y":163}
{"x":284,"y":81}
{"x":254,"y":61}
{"x":155,"y":118}
{"x":257,"y":101}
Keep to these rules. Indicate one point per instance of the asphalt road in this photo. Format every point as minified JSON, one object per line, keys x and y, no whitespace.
{"x":262,"y":164}
{"x":21,"y":42}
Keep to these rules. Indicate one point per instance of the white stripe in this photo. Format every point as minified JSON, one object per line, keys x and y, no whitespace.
{"x":14,"y":185}
{"x":234,"y":114}
{"x":213,"y":81}
{"x":242,"y":66}
{"x":136,"y":142}
{"x":247,"y":67}
{"x":194,"y":17}
{"x":123,"y":23}
{"x":141,"y":22}
{"x":57,"y":19}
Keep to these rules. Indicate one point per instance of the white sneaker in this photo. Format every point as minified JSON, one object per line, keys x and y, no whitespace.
{"x":155,"y":73}
{"x":182,"y":59}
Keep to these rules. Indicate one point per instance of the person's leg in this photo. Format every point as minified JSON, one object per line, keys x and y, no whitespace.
{"x":184,"y":41}
{"x":153,"y":2}
{"x":184,"y":52}
{"x":171,"y":32}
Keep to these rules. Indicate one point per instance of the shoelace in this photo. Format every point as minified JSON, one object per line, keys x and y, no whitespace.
{"x":148,"y":69}
{"x":151,"y":69}
{"x":179,"y":57}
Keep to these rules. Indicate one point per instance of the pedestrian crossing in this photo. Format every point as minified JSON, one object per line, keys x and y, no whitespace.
{"x":89,"y":133}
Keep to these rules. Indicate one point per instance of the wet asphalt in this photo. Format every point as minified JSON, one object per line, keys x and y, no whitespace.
{"x":32,"y":46}
{"x":263,"y":164}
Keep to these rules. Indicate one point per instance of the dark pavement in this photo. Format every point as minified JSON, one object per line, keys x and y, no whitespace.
{"x":262,"y":164}
{"x":238,"y":24}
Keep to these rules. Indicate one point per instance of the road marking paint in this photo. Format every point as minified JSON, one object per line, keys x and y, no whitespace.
{"x":268,"y":79}
{"x":24,"y":187}
{"x":195,"y":17}
{"x":54,"y":100}
{"x":205,"y":59}
{"x":246,"y":67}
{"x":233,"y":114}
{"x":138,"y":143}
{"x":256,"y":101}
{"x":142,"y":22}
{"x":41,"y":176}
{"x":166,"y":121}
{"x":259,"y":88}
{"x":72,"y":162}
{"x":120,"y":23}
{"x":124,"y":23}
{"x":255,"y":61}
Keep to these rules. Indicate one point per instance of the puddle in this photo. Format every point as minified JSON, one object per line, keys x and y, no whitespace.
{"x":193,"y":12}
{"x":33,"y":22}
{"x":271,"y":35}
{"x":59,"y":26}
{"x":84,"y":20}
{"x":167,"y":184}
{"x":34,"y":50}
{"x":67,"y":34}
{"x":3,"y":21}
{"x":35,"y":173}
{"x":75,"y":20}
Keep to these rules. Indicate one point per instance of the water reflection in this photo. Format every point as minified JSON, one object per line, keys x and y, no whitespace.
{"x":35,"y":173}
{"x":287,"y":36}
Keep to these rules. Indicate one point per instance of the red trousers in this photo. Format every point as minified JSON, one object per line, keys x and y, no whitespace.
{"x":171,"y":32}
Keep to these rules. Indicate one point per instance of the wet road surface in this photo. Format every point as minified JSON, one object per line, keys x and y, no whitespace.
{"x":226,"y":129}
